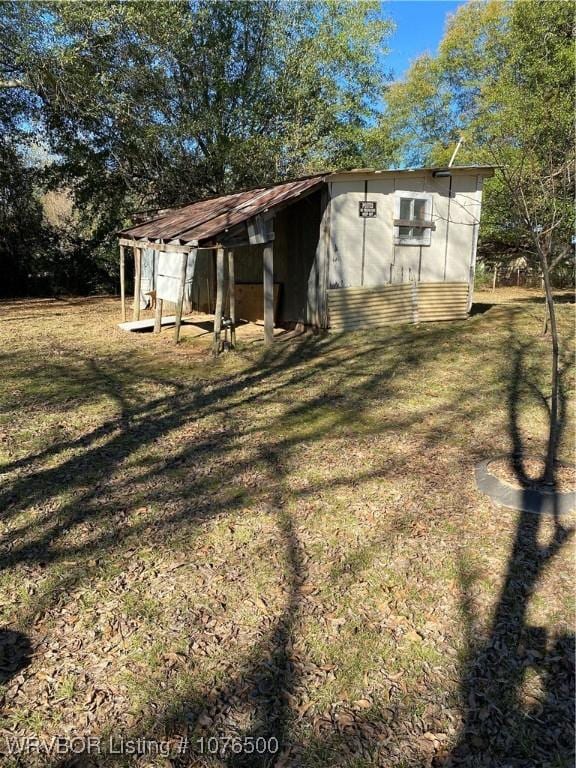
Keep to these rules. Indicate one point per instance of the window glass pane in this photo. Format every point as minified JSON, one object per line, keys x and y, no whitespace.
{"x":420,"y":209}
{"x":405,"y":207}
{"x":405,"y":233}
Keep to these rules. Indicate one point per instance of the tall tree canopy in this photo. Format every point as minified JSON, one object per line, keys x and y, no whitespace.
{"x":503,"y":80}
{"x":145,"y":104}
{"x":166,"y":101}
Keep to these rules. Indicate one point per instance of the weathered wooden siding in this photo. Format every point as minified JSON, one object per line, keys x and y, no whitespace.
{"x":351,"y":308}
{"x":363,"y":252}
{"x":297,"y":231}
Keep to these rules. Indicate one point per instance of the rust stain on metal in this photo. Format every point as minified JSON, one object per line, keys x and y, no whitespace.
{"x":205,"y":219}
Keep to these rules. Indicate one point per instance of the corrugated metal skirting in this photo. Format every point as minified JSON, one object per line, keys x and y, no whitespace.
{"x":351,"y":308}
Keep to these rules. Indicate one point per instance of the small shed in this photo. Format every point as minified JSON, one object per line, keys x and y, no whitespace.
{"x":337,"y":251}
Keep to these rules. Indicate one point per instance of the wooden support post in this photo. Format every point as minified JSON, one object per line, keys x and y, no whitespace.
{"x":158,"y":316}
{"x":123,"y":282}
{"x":181,"y":290}
{"x":137,"y":283}
{"x":219,"y":299}
{"x":232,"y":294}
{"x":268,"y":259}
{"x":322,"y":261}
{"x":159,"y":302}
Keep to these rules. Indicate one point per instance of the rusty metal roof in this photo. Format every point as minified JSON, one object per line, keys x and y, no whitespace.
{"x":203,"y":220}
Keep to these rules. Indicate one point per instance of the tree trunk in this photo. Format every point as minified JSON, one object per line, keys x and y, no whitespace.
{"x":553,"y":430}
{"x":545,"y":321}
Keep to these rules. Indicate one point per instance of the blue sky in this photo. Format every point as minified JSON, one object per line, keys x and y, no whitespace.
{"x":419,"y":27}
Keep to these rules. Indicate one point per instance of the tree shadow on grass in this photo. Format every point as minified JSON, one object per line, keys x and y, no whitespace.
{"x":15,"y":653}
{"x":85,"y":467}
{"x":518,"y":683}
{"x":259,"y":698}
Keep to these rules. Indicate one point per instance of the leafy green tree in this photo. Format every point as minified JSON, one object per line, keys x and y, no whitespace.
{"x":167,"y":101}
{"x":503,"y":80}
{"x":21,"y":226}
{"x":149,"y":105}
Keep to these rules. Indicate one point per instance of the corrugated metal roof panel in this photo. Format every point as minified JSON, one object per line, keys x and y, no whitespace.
{"x":207,"y":218}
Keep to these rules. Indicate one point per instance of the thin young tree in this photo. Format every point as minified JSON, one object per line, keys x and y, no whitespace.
{"x":541,"y":199}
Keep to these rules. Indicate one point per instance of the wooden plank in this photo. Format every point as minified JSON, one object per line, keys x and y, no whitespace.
{"x":137,"y":283}
{"x":318,"y":299}
{"x":158,"y":316}
{"x":232,"y":299}
{"x":181,"y":289}
{"x":219,"y":299}
{"x":166,"y":247}
{"x":419,"y":223}
{"x":250,"y":301}
{"x":123,"y":282}
{"x":139,"y":325}
{"x":268,"y":268}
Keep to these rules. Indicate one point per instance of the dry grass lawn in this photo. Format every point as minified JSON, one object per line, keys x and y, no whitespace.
{"x":283,"y":544}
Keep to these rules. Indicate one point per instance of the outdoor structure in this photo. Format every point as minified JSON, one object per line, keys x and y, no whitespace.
{"x":338,"y":251}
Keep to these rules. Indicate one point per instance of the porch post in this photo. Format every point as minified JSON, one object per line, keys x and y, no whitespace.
{"x":219,"y":299}
{"x":232,"y":295}
{"x":268,"y":265}
{"x":123,"y":282}
{"x":137,"y":283}
{"x":181,"y":290}
{"x":158,"y":316}
{"x":159,"y":303}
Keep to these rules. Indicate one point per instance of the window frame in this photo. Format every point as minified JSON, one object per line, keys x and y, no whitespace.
{"x":426,"y":238}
